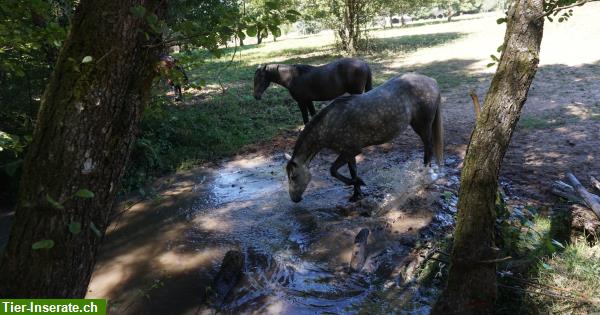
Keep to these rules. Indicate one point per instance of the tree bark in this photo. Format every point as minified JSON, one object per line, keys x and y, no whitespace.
{"x":471,"y":287}
{"x":85,"y":131}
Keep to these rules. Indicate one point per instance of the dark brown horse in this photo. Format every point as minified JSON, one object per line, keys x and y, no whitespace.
{"x":351,"y":123}
{"x":307,"y":83}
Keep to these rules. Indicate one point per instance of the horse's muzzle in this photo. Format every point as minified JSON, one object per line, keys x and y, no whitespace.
{"x":296,"y":199}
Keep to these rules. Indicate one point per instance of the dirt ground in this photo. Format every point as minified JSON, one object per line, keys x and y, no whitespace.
{"x":161,"y":253}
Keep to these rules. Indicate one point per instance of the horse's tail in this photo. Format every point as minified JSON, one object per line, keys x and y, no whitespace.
{"x":369,"y":83}
{"x":438,"y":133}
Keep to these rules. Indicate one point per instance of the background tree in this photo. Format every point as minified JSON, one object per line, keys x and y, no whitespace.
{"x":264,"y":17}
{"x":347,"y":18}
{"x":454,"y":7}
{"x":471,"y":287}
{"x":31,"y":33}
{"x":403,"y":7}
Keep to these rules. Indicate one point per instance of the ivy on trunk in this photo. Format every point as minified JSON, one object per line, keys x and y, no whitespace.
{"x":85,"y":131}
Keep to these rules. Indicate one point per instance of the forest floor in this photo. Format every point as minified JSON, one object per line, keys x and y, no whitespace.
{"x":162,"y":252}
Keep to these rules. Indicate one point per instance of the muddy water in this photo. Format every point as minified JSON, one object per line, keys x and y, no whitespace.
{"x":296,"y":255}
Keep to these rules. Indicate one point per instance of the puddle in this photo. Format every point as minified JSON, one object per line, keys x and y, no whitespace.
{"x":297,"y":256}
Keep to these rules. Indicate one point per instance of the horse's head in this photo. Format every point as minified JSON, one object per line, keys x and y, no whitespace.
{"x":261,"y":82}
{"x":298,"y":178}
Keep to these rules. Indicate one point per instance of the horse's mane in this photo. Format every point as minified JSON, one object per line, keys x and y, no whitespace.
{"x":317,"y":119}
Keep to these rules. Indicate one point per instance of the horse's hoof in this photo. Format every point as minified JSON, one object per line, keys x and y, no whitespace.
{"x":356,"y":197}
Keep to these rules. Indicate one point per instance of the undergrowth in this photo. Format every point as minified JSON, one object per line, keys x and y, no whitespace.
{"x":548,"y":274}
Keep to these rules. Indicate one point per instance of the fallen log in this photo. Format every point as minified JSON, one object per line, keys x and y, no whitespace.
{"x":595,"y":183}
{"x":231,"y":272}
{"x":584,"y":223}
{"x":590,"y":199}
{"x":567,"y":192}
{"x":359,"y":252}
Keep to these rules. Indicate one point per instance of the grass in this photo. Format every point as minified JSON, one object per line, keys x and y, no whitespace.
{"x":576,"y":269}
{"x":548,"y":274}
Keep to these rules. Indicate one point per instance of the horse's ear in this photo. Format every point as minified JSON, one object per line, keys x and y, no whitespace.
{"x":287,"y":156}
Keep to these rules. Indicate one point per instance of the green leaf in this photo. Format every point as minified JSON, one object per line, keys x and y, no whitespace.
{"x":271,"y":5}
{"x":95,"y":229}
{"x":84,"y":193}
{"x":490,"y":64}
{"x":87,"y":59}
{"x":501,"y":20}
{"x":75,"y":228}
{"x":138,"y":11}
{"x":251,"y":31}
{"x":54,"y":203}
{"x":494,"y":58}
{"x":42,"y":244}
{"x":275,"y":31}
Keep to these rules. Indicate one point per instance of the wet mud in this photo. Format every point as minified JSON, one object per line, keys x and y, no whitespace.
{"x":296,"y":256}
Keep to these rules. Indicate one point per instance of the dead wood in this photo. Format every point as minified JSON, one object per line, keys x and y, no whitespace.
{"x":590,"y":199}
{"x":359,"y":252}
{"x":595,"y":183}
{"x":476,"y":104}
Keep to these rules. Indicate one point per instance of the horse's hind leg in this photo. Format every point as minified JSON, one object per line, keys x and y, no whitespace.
{"x":426,"y":135}
{"x":356,"y":181}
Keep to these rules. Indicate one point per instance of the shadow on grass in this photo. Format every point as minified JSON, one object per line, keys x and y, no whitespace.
{"x":410,"y":43}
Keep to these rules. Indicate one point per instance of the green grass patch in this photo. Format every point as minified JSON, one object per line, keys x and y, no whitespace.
{"x":576,"y":271}
{"x":548,"y":274}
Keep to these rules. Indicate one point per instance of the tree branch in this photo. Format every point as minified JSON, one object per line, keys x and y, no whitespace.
{"x":576,"y":4}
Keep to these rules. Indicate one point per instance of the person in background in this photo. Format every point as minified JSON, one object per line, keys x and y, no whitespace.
{"x":175,"y":74}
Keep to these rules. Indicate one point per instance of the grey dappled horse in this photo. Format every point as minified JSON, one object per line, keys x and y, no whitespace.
{"x":308,"y":83}
{"x":350,"y":123}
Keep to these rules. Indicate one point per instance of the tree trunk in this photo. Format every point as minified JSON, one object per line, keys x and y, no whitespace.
{"x":85,"y":131}
{"x":258,"y":38}
{"x":471,"y":287}
{"x":450,"y":14}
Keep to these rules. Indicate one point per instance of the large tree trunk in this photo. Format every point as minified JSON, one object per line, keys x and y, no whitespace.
{"x":85,"y":131}
{"x":471,"y":287}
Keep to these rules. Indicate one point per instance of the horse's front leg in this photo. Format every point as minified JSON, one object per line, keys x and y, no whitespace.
{"x":304,"y":111}
{"x":356,"y":181}
{"x":339,"y":162}
{"x":311,"y":108}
